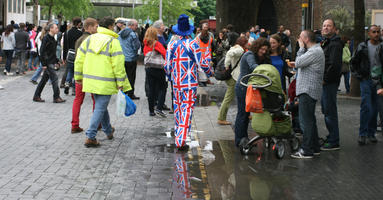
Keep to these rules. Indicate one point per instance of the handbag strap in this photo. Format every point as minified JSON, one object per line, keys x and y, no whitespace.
{"x":238,"y":62}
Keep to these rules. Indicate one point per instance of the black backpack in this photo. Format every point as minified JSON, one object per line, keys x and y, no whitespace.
{"x":220,"y":72}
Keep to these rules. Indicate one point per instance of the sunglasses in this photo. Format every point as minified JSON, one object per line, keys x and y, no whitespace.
{"x":375,"y":31}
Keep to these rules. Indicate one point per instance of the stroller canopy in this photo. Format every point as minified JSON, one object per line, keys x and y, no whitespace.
{"x":271,"y":72}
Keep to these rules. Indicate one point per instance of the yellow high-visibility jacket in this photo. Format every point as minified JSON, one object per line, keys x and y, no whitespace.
{"x":100,"y":64}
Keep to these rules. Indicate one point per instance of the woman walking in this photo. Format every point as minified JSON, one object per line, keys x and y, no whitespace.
{"x":257,"y":54}
{"x":155,"y":54}
{"x":9,"y":43}
{"x":232,"y":59}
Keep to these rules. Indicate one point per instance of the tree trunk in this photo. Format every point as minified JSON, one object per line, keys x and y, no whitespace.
{"x":36,"y":12}
{"x":50,"y":11}
{"x":359,"y":33}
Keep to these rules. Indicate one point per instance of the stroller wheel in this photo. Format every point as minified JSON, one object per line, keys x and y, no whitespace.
{"x":294,"y":144}
{"x":280,"y":149}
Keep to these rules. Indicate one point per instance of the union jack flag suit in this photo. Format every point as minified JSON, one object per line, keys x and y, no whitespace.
{"x":183,"y":58}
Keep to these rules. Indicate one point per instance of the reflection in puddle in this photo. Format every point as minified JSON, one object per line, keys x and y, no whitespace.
{"x":181,"y":186}
{"x":233,"y":176}
{"x":224,"y":173}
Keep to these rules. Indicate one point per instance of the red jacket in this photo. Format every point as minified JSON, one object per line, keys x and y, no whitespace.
{"x":158,"y":47}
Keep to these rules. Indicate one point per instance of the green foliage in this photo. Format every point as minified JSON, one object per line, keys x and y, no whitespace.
{"x":205,"y":9}
{"x":171,"y":9}
{"x":343,"y":18}
{"x":66,"y":8}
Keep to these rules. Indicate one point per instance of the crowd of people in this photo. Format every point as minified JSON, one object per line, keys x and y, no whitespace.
{"x":101,"y":58}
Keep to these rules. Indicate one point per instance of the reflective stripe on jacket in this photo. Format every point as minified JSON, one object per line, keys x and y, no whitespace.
{"x":100,"y":64}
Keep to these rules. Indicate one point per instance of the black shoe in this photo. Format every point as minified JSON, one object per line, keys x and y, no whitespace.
{"x":152,"y":114}
{"x":362,"y":140}
{"x":17,"y":72}
{"x":165,"y":107}
{"x":34,"y":82}
{"x":160,"y":113}
{"x":301,"y":155}
{"x":330,"y":147}
{"x":183,"y":148}
{"x":134,"y":97}
{"x":372,"y":139}
{"x":66,"y":89}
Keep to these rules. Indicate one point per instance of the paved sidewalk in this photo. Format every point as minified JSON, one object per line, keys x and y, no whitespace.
{"x":40,"y":158}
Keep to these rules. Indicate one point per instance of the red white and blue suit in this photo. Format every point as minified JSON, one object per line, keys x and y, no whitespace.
{"x":183,"y":58}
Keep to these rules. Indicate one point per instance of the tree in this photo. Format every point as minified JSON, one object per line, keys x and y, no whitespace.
{"x":359,"y":32}
{"x":205,"y":9}
{"x":342,"y":17}
{"x":171,"y":9}
{"x":66,"y":8}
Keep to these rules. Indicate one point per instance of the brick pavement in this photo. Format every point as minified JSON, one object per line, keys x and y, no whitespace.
{"x":40,"y":158}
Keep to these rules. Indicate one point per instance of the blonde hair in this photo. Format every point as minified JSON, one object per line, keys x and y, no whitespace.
{"x":151,"y":35}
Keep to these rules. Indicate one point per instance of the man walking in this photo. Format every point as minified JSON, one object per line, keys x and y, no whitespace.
{"x":70,"y":38}
{"x":363,"y":63}
{"x":49,"y":61}
{"x":22,"y":39}
{"x":183,"y":57}
{"x":333,"y":49}
{"x":310,"y":62}
{"x":99,"y":67}
{"x":130,"y":45}
{"x":90,"y":26}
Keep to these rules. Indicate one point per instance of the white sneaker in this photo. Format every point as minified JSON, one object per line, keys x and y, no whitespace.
{"x":5,"y":72}
{"x":9,"y":74}
{"x":1,"y":87}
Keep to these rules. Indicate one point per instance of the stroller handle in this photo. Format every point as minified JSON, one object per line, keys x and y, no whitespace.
{"x":256,"y":86}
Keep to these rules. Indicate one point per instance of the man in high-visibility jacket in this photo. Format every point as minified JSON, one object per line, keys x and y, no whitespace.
{"x":99,"y":67}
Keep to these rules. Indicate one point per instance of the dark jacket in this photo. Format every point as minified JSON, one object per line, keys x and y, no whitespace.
{"x":285,"y":39}
{"x":360,"y":62}
{"x":377,"y":71}
{"x":248,"y":63}
{"x":70,"y":38}
{"x":80,"y":40}
{"x":22,"y":39}
{"x":333,"y":50}
{"x":48,"y":51}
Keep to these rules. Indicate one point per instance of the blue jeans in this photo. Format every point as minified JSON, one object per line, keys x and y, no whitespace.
{"x":100,"y":115}
{"x":33,"y":60}
{"x":37,"y":73}
{"x":70,"y":75}
{"x":8,"y":56}
{"x":368,"y":108}
{"x":330,"y":111}
{"x":242,"y":119}
{"x":308,"y":124}
{"x":346,"y":77}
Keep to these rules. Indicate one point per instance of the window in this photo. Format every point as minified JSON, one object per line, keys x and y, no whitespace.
{"x":9,"y":5}
{"x":19,"y":6}
{"x":22,"y":6}
{"x":14,"y":5}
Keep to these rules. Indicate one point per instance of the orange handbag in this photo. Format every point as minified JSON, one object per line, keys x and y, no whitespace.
{"x":253,"y":100}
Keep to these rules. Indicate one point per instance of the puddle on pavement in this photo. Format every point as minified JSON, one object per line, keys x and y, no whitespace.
{"x":223,"y":173}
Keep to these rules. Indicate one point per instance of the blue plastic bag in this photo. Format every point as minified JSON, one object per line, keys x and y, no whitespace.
{"x":124,"y":105}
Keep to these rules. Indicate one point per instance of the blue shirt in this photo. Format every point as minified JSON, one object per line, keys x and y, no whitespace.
{"x":278,"y":63}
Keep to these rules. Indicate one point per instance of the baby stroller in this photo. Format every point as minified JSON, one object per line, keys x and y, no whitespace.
{"x":271,"y":122}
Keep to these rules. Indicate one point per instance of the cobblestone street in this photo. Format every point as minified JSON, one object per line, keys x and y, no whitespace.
{"x":41,"y":159}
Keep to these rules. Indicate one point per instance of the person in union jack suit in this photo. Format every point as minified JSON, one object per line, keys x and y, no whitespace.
{"x":183,"y":58}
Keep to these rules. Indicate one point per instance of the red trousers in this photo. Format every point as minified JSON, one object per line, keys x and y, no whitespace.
{"x":79,"y":98}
